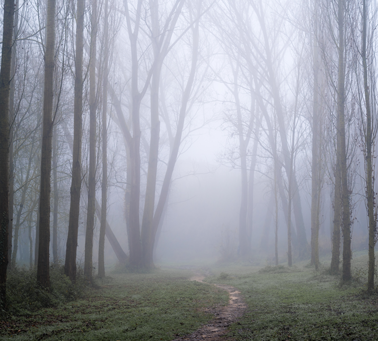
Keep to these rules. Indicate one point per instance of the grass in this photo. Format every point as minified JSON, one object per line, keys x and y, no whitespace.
{"x":284,"y":303}
{"x":300,"y":304}
{"x":158,"y":306}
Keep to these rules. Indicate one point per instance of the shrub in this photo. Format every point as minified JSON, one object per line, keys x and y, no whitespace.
{"x":25,"y":295}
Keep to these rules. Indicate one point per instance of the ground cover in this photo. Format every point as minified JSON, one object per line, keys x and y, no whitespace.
{"x":159,"y":306}
{"x":301,"y":304}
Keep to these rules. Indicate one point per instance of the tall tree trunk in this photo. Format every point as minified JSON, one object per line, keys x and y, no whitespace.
{"x":315,"y":165}
{"x":11,"y":132}
{"x":88,"y":261}
{"x":346,"y":224}
{"x":149,"y":202}
{"x":104,"y":183}
{"x":335,"y":260}
{"x":276,"y":175}
{"x":6,"y":56}
{"x":43,"y":274}
{"x":369,"y":142}
{"x":56,"y":199}
{"x":71,"y":249}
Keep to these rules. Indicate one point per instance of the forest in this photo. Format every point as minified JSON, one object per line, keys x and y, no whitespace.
{"x":144,"y":142}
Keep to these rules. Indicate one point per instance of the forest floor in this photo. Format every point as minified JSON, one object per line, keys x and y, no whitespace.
{"x":299,"y":303}
{"x":243,"y":302}
{"x":216,"y":329}
{"x":160,"y":306}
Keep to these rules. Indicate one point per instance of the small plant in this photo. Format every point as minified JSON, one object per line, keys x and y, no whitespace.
{"x":273,"y":269}
{"x":224,"y":275}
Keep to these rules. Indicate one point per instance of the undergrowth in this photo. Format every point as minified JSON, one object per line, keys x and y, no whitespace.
{"x":25,"y":296}
{"x":162,"y":305}
{"x":300,"y":303}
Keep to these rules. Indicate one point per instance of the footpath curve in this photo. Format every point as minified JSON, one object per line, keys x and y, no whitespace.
{"x":224,"y":316}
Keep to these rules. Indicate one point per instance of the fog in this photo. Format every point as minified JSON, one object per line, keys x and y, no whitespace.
{"x":236,"y":132}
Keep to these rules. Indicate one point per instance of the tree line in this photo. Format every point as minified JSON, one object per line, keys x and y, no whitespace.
{"x":103,"y":92}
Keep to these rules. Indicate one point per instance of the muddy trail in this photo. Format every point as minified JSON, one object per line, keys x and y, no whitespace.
{"x":224,"y":316}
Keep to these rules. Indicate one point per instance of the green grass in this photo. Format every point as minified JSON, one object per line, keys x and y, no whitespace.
{"x":159,"y":306}
{"x":299,"y":303}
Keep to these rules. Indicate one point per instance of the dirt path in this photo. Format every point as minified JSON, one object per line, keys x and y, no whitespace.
{"x":217,"y":328}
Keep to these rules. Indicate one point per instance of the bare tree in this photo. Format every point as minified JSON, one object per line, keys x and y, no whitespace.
{"x":70,"y":262}
{"x":43,"y":272}
{"x":88,"y":262}
{"x":5,"y":74}
{"x":369,"y":127}
{"x":104,"y":183}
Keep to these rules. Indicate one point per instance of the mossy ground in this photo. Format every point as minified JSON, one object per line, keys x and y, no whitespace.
{"x":158,"y":306}
{"x":300,"y":303}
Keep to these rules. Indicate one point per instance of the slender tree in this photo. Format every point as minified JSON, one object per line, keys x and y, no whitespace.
{"x":369,"y":137}
{"x":73,"y":227}
{"x":43,"y":275}
{"x":315,"y":163}
{"x":88,"y":258}
{"x":5,"y":76}
{"x":341,"y":146}
{"x":104,"y":183}
{"x":11,"y":134}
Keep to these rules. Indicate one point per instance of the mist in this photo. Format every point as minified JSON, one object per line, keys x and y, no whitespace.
{"x":142,"y":135}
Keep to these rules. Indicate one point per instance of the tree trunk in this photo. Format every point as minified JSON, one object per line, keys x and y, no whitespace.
{"x":104,"y":183}
{"x":56,"y":199}
{"x":71,"y":249}
{"x":335,"y":261}
{"x":315,"y":165}
{"x":149,"y":202}
{"x":347,"y":253}
{"x":6,"y":56}
{"x":88,"y":262}
{"x":43,"y":274}
{"x":11,"y":132}
{"x":369,"y":142}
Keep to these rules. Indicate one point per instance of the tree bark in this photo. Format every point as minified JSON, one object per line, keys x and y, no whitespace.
{"x":104,"y":183}
{"x":6,"y":56}
{"x":341,"y":148}
{"x":315,"y":165}
{"x":56,"y":199}
{"x":71,"y":249}
{"x":11,"y":132}
{"x":43,"y":268}
{"x":88,"y":259}
{"x":369,"y":143}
